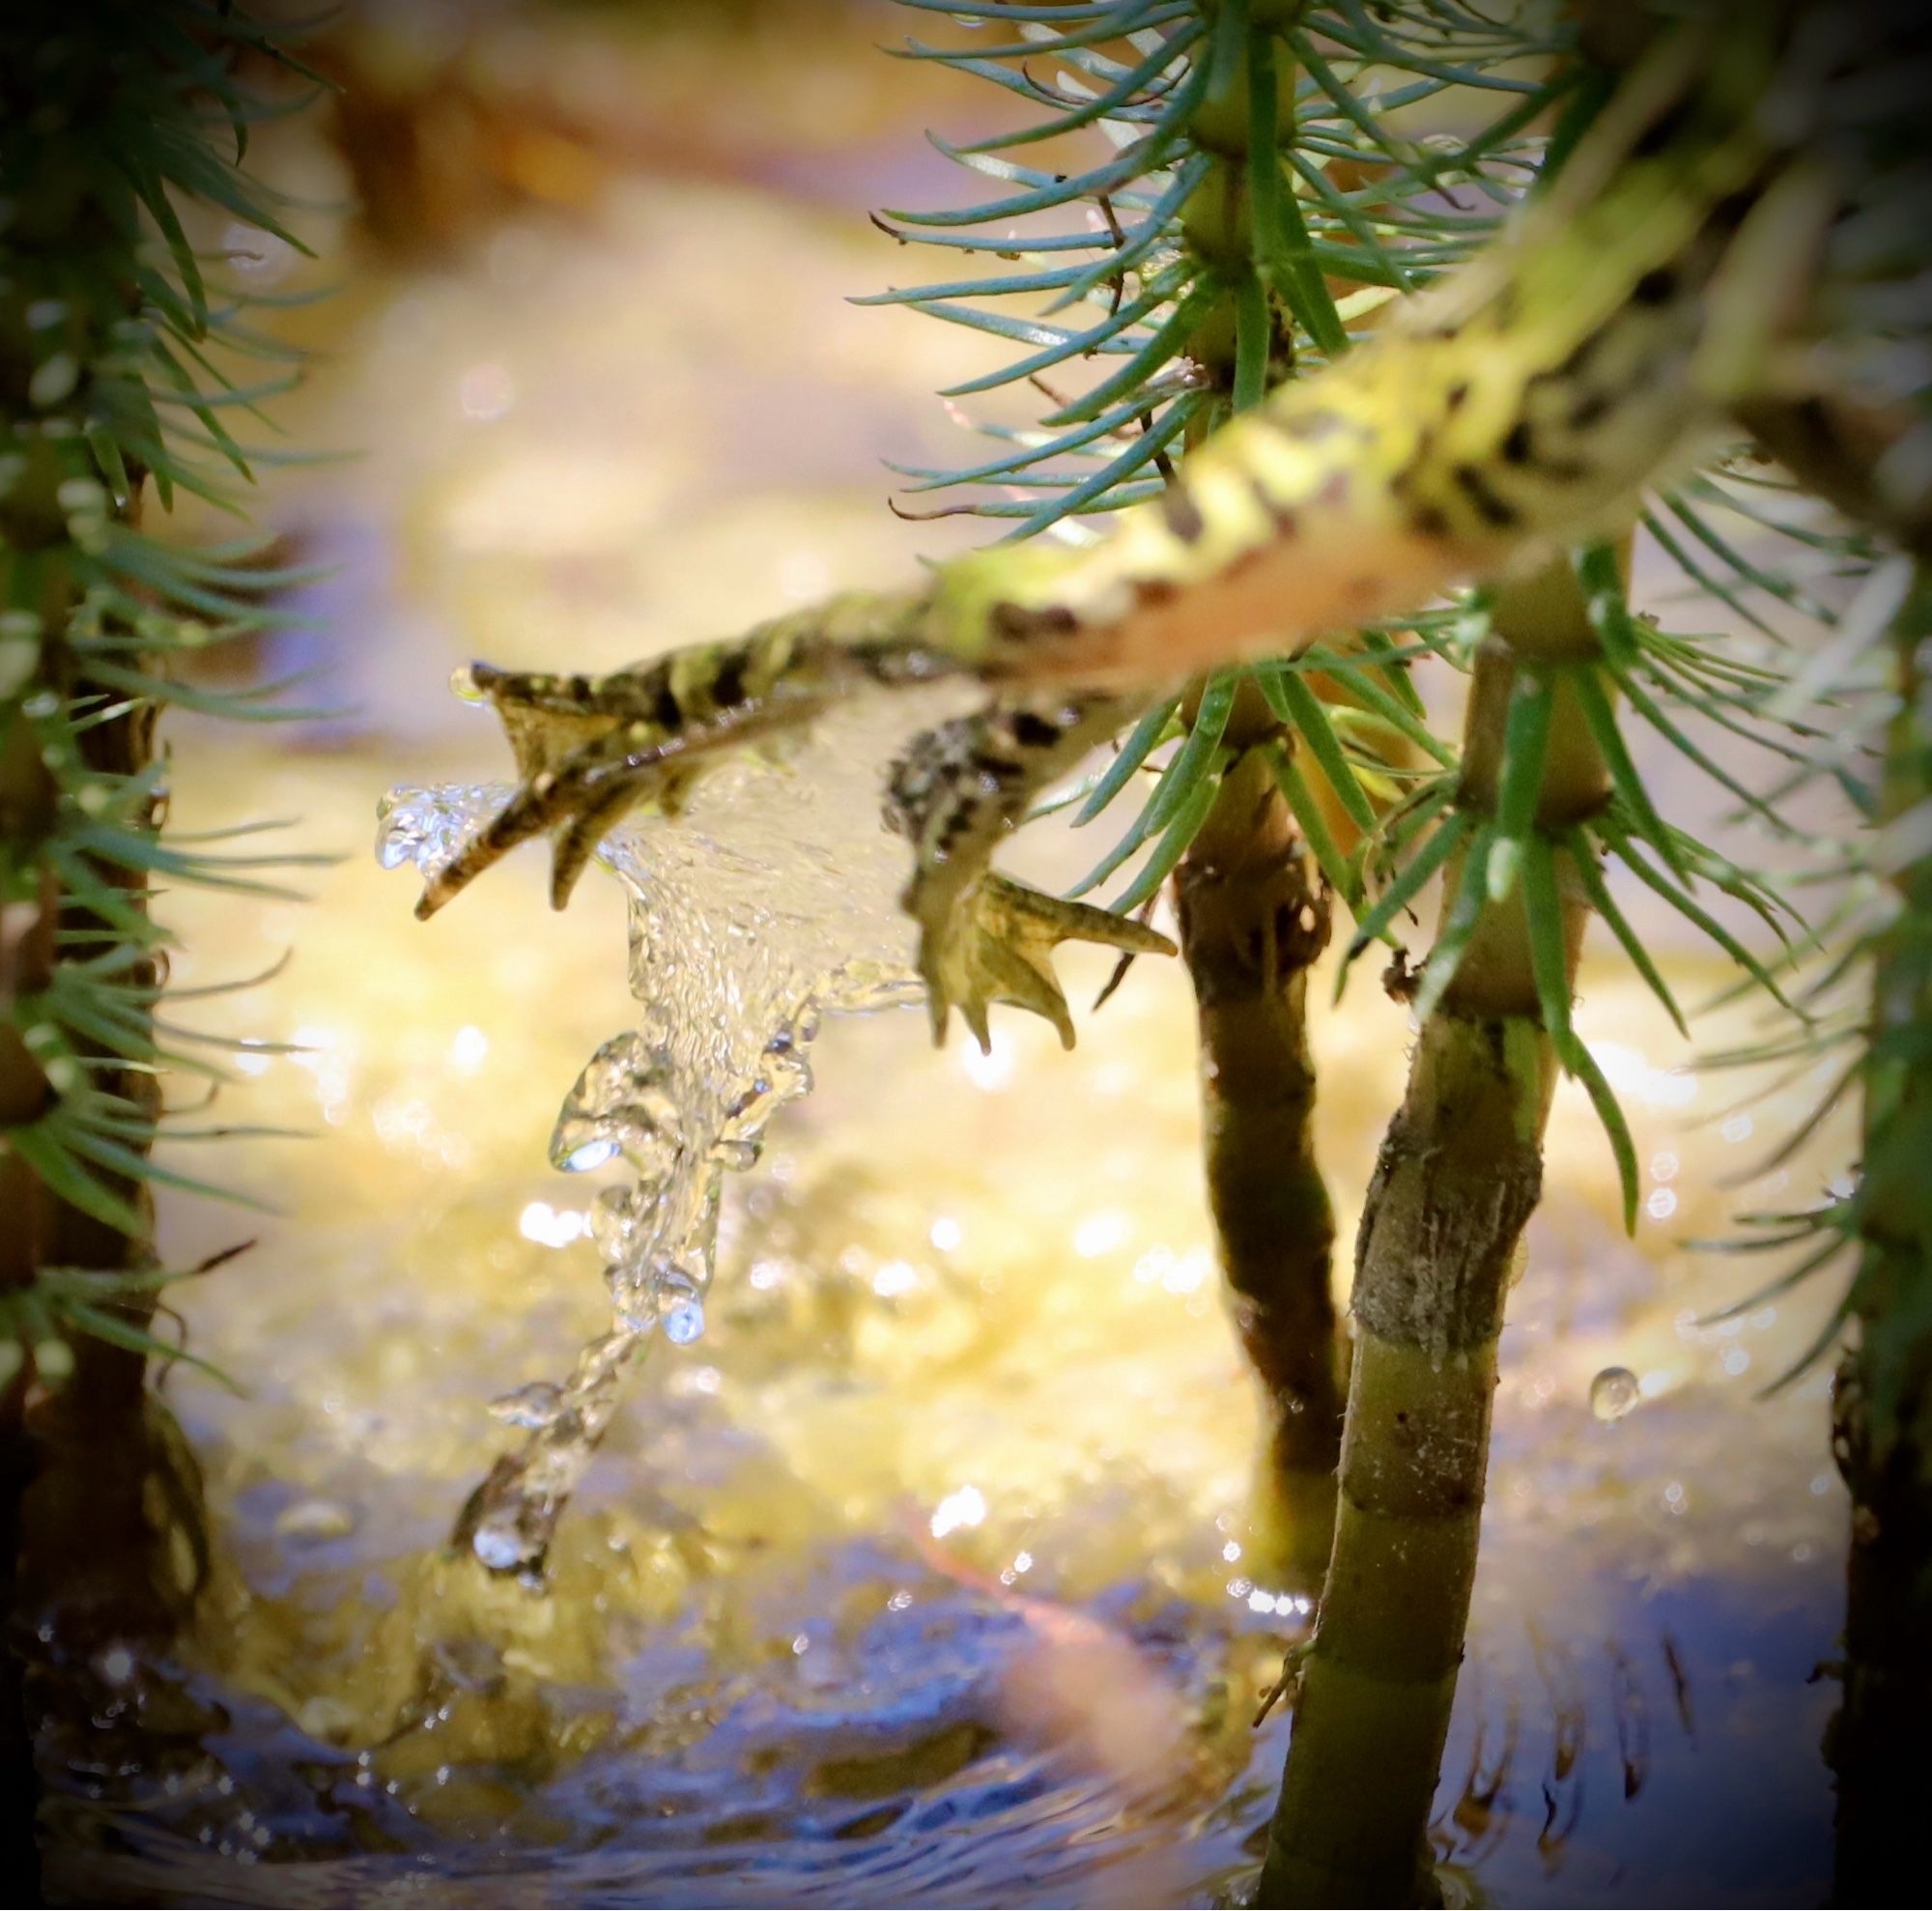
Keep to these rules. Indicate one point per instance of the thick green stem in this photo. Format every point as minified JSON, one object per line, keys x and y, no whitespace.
{"x":1884,"y":1403}
{"x":1458,"y":1178}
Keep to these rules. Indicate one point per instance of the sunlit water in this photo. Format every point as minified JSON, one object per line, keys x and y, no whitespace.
{"x":771,"y":902}
{"x":961,"y":1295}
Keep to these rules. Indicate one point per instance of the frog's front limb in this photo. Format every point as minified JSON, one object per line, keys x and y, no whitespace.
{"x":590,"y":749}
{"x":956,"y":794}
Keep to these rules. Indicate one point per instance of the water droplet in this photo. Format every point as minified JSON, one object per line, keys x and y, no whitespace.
{"x":1613,"y":1393}
{"x":463,"y":683}
{"x":499,"y":1548}
{"x":680,"y":1306}
{"x":684,"y":1321}
{"x":588,"y":1154}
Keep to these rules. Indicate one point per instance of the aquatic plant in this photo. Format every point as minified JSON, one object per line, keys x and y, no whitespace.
{"x":1678,"y":267}
{"x":128,"y":369}
{"x":1282,"y":778}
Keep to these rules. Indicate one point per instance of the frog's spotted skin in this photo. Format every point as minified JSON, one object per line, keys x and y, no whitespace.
{"x":1524,"y":404}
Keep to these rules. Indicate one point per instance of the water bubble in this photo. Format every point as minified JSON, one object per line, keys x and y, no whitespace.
{"x":499,"y":1547}
{"x":1613,"y":1393}
{"x":463,"y":683}
{"x":620,"y":1105}
{"x":633,"y":1298}
{"x":680,"y":1307}
{"x":684,"y":1321}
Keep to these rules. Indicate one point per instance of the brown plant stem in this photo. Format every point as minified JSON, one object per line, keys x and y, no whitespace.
{"x":1253,"y":918}
{"x":1458,"y":1176}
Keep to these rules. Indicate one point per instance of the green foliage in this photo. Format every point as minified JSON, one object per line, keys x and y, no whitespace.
{"x":124,"y":358}
{"x":1266,"y":178}
{"x":1214,"y":229}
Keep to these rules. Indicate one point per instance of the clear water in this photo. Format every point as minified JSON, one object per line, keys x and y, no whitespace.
{"x":770,"y":902}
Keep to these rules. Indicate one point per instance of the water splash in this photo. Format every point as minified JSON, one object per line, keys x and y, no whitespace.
{"x":771,"y":899}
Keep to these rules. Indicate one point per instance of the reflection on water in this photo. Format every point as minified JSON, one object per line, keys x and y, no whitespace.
{"x":963,"y":1456}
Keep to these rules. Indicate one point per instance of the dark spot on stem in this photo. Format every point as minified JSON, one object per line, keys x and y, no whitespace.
{"x":1731,"y":212}
{"x":1036,"y":732}
{"x":1656,"y":288}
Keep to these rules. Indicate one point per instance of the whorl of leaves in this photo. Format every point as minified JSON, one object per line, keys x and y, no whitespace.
{"x":1405,"y":136}
{"x":123,"y":352}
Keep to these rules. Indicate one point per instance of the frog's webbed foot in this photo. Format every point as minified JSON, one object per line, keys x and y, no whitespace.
{"x":992,"y":940}
{"x":957,"y":791}
{"x":589,"y":752}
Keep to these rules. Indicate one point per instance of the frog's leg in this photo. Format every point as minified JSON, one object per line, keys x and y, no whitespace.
{"x":585,"y":767}
{"x":956,"y":794}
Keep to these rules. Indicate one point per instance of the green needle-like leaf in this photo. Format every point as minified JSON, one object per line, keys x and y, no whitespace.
{"x":1525,"y":748}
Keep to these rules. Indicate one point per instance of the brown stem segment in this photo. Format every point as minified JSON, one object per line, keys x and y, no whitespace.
{"x":1253,"y":919}
{"x":1458,"y":1178}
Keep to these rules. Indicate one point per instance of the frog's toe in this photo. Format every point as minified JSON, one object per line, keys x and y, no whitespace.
{"x":994,"y":942}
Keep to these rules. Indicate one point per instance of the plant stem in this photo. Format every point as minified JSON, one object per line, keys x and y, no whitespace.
{"x":1883,"y":1408}
{"x":1459,"y":1177}
{"x":1253,"y":917}
{"x":1253,"y":920}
